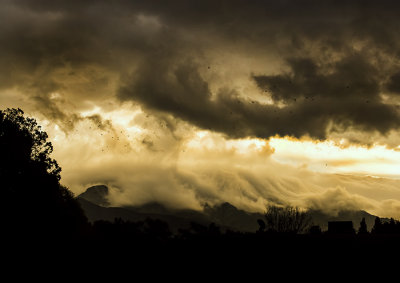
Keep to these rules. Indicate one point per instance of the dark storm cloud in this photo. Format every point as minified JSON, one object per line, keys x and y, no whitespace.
{"x":183,"y":92}
{"x":339,"y":57}
{"x":349,"y":95}
{"x":394,"y":83}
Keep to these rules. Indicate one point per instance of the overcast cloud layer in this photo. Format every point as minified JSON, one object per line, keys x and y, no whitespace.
{"x":242,"y":69}
{"x":315,"y":66}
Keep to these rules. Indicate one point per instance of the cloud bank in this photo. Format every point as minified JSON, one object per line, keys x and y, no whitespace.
{"x":237,"y":69}
{"x":184,"y":168}
{"x":323,"y":66}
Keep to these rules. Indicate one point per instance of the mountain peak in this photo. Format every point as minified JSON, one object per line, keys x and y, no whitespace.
{"x":227,"y":205}
{"x":97,"y":195}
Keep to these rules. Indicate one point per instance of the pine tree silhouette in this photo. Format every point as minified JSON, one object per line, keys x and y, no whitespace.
{"x":363,"y":227}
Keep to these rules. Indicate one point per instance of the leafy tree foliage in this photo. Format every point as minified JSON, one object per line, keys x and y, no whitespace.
{"x":32,"y":197}
{"x":287,"y":219}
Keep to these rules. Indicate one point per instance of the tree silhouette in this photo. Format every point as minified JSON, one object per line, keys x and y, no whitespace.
{"x":378,"y":226}
{"x":363,"y":227}
{"x":33,"y":201}
{"x":261,"y":225}
{"x":287,"y":219}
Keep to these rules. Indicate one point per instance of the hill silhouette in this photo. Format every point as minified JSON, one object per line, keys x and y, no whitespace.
{"x":97,"y":195}
{"x":94,"y":202}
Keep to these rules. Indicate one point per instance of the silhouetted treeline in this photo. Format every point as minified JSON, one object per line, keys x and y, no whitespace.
{"x":158,"y":230}
{"x":391,"y":227}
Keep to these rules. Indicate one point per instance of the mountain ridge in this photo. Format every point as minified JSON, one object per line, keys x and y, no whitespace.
{"x":95,"y":203}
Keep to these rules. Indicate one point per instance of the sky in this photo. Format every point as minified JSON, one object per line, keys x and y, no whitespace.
{"x":193,"y":102}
